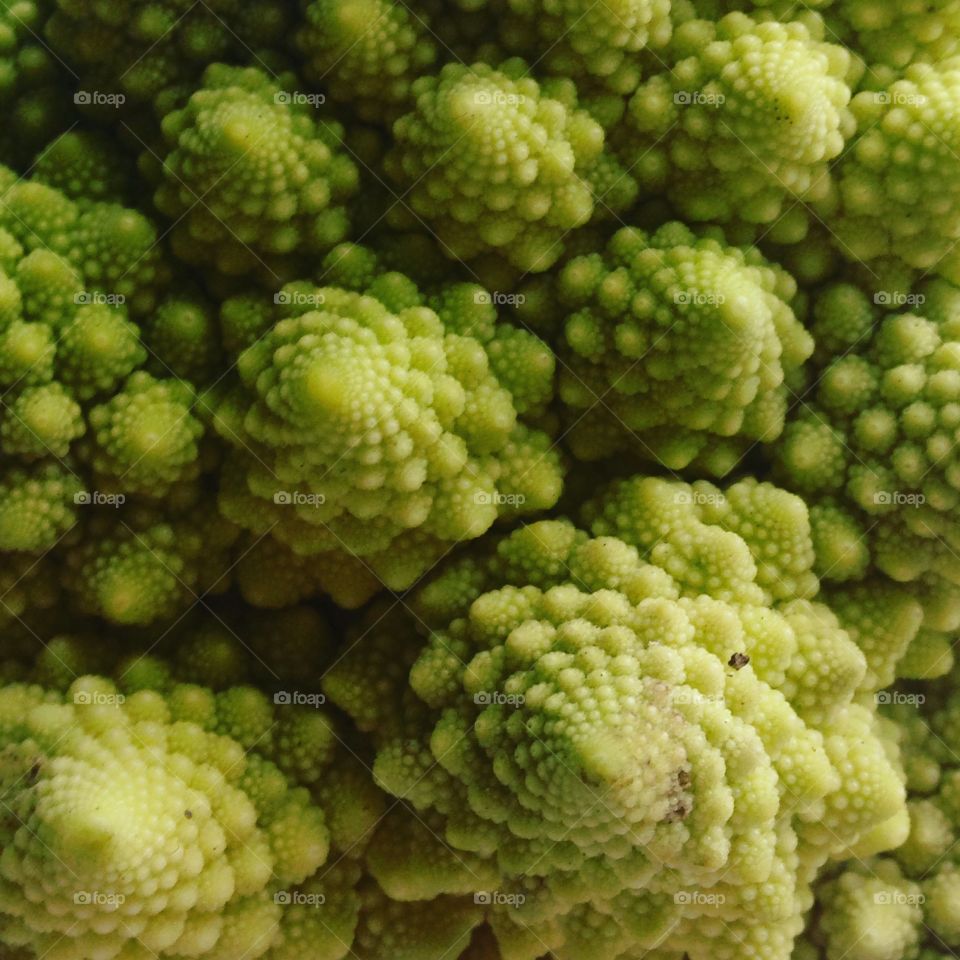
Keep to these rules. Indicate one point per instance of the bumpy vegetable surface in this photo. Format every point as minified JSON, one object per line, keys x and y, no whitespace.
{"x":904,"y":903}
{"x":640,"y":733}
{"x":675,"y":346}
{"x":748,"y":116}
{"x":385,"y":422}
{"x":479,"y":479}
{"x":495,"y":164}
{"x":874,"y":448}
{"x":251,"y":176}
{"x":149,"y":815}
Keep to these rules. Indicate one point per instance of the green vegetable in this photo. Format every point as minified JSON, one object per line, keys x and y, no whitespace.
{"x":162,"y":816}
{"x":677,"y":345}
{"x":249,"y":176}
{"x":374,"y":425}
{"x":494,"y":164}
{"x":557,"y":658}
{"x":479,"y":479}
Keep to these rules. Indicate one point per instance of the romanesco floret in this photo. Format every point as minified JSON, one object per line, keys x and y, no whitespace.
{"x":335,"y":621}
{"x":145,"y":435}
{"x":37,"y":507}
{"x":62,"y":254}
{"x":371,"y":425}
{"x":166,"y":818}
{"x":746,"y":120}
{"x":904,"y":904}
{"x":183,"y":340}
{"x":141,"y":566}
{"x":366,"y":52}
{"x":97,"y":349}
{"x":594,"y":43}
{"x":86,"y":167}
{"x":897,"y":184}
{"x":83,"y":428}
{"x":33,"y":93}
{"x":872,"y":913}
{"x":888,"y":35}
{"x":678,"y":347}
{"x":494,"y":165}
{"x":150,"y":51}
{"x":887,"y":624}
{"x":683,"y":705}
{"x":41,"y":421}
{"x":892,"y":34}
{"x":250,"y":177}
{"x":880,"y":430}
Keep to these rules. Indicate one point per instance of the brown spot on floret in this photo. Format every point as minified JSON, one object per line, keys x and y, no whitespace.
{"x":679,"y":811}
{"x":680,"y":803}
{"x":738,"y":661}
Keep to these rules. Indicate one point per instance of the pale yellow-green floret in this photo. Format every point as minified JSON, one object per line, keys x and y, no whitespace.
{"x":905,"y":903}
{"x":366,"y":52}
{"x":873,"y":447}
{"x":650,"y":734}
{"x":250,"y":179}
{"x":744,"y":122}
{"x":677,"y":347}
{"x":494,"y":165}
{"x":899,"y":193}
{"x":368,"y":425}
{"x":173,"y":821}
